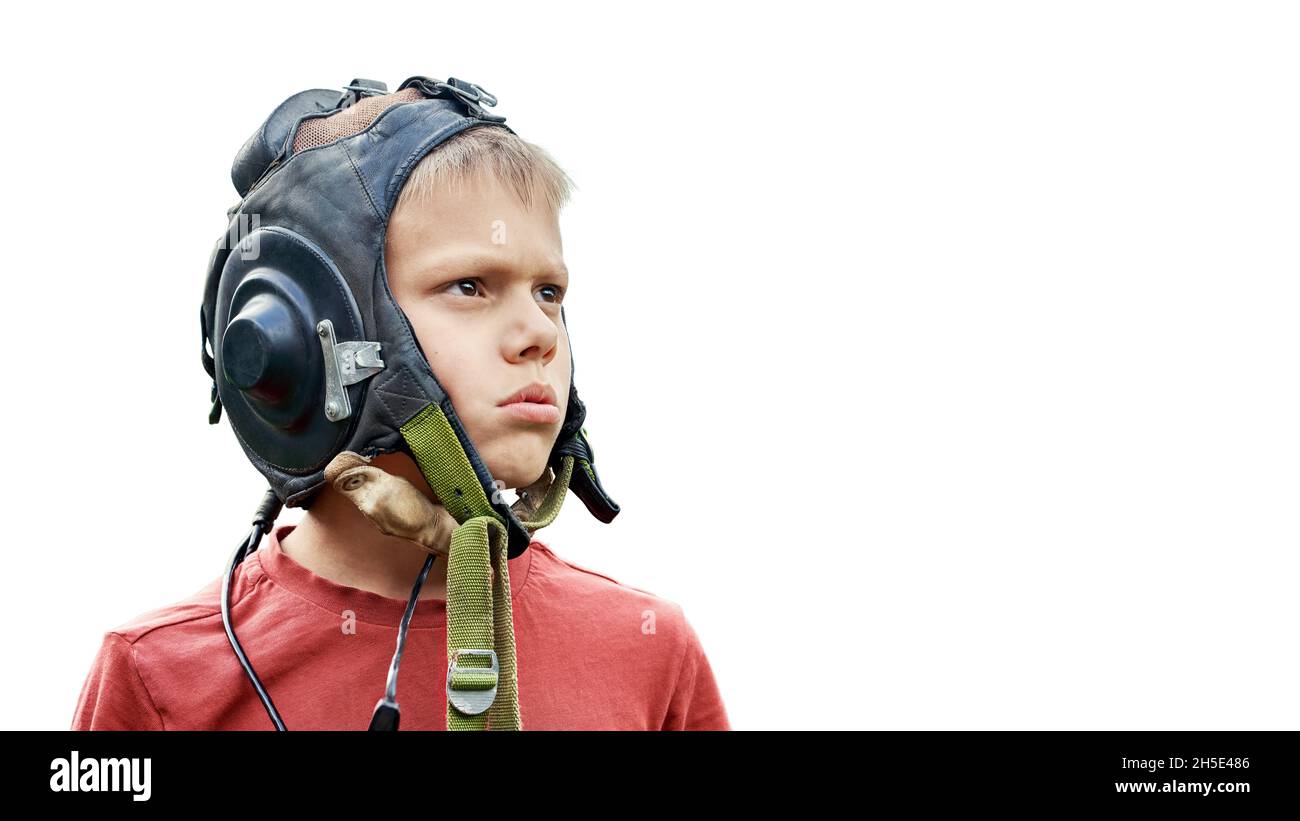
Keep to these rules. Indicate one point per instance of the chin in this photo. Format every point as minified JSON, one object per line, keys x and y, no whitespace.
{"x":517,"y":467}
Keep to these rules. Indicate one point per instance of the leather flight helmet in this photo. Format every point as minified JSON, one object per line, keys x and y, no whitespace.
{"x":309,"y":352}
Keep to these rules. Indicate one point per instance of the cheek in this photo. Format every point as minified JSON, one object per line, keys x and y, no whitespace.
{"x":448,"y":355}
{"x":562,"y":367}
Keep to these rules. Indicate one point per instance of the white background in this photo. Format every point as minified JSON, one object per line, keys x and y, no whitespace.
{"x":944,"y":353}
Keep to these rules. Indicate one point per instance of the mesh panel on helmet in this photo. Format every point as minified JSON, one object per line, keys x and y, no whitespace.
{"x":351,"y":120}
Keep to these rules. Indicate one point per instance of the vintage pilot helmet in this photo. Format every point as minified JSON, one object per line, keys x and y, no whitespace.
{"x":311,"y":357}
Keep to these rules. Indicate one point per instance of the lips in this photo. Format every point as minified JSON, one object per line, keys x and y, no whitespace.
{"x":537,"y":393}
{"x":533,"y":403}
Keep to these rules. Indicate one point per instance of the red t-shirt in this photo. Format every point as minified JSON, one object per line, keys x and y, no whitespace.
{"x":591,"y":654}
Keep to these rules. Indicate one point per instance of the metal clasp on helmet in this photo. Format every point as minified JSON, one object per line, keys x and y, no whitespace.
{"x":346,"y":363}
{"x":467,"y":91}
{"x":473,"y":95}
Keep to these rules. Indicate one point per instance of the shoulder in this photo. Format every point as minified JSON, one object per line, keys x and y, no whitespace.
{"x":590,"y":626}
{"x":557,"y":580}
{"x":140,"y":660}
{"x":114,"y":696}
{"x":564,"y":597}
{"x":203,"y":604}
{"x":199,"y":611}
{"x":644,"y":635}
{"x":549,"y":565}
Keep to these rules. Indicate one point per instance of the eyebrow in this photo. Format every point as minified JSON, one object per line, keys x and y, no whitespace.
{"x":481,"y":262}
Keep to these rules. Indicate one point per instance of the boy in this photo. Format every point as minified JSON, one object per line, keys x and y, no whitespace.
{"x":473,"y":257}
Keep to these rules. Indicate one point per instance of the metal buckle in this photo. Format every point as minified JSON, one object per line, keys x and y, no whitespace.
{"x":346,"y":363}
{"x":354,"y":91}
{"x":475,"y":95}
{"x":472,"y":95}
{"x":472,"y":702}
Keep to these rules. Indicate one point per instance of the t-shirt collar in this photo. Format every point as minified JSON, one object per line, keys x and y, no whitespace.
{"x":367,"y":606}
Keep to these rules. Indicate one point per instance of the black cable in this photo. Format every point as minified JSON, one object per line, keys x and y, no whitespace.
{"x":262,"y":522}
{"x":387,"y":714}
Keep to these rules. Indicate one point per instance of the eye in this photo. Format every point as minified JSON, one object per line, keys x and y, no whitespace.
{"x":460,"y":283}
{"x":555,"y":293}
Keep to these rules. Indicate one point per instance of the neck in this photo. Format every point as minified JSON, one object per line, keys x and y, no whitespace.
{"x":337,"y":542}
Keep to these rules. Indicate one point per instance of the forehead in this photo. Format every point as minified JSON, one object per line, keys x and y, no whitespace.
{"x":476,"y":209}
{"x":475,"y":226}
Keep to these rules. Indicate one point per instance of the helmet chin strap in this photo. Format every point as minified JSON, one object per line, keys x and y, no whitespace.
{"x":482,"y":685}
{"x":480,"y":618}
{"x":540,"y":502}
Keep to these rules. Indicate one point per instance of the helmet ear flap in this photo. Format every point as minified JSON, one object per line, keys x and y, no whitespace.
{"x":268,"y":144}
{"x":585,"y":482}
{"x":572,"y":441}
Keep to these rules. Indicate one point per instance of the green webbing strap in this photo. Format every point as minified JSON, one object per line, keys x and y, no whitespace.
{"x":550,"y":506}
{"x":480,"y":620}
{"x":479,"y":617}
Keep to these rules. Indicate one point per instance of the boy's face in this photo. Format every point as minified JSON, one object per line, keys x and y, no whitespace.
{"x":481,"y":279}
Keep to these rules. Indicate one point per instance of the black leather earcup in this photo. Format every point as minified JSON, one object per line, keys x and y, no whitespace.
{"x":270,"y":364}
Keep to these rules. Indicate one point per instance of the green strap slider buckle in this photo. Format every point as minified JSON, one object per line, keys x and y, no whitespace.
{"x":472,"y":689}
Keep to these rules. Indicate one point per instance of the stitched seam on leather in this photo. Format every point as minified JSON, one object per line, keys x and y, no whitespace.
{"x":404,"y":325}
{"x":360,"y":180}
{"x":379,"y":394}
{"x":426,"y":147}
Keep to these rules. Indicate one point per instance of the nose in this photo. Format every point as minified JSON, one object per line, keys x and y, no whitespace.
{"x":532,"y":333}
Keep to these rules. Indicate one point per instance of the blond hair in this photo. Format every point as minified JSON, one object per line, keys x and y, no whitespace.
{"x":515,"y":163}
